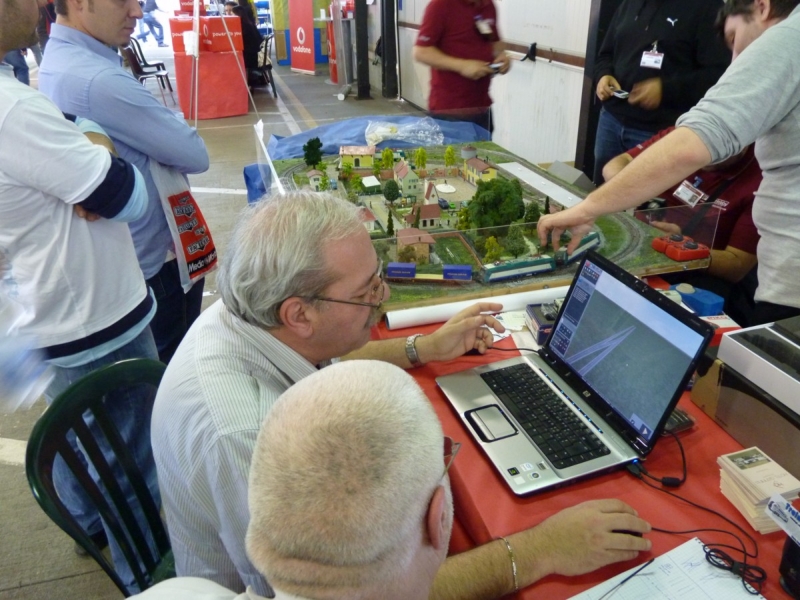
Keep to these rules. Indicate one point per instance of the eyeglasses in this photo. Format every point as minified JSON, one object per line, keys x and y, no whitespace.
{"x":451,"y":448}
{"x":376,"y":291}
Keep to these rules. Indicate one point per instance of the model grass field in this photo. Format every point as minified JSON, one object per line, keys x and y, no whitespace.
{"x":623,"y":238}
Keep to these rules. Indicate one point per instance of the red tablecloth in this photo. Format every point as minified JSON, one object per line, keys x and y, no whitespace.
{"x":486,"y":509}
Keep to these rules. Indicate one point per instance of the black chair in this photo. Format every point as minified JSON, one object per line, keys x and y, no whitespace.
{"x":50,"y":438}
{"x":161,"y":75}
{"x":146,"y":66}
{"x":262,"y":73}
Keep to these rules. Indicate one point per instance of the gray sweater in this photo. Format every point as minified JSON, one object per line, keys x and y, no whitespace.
{"x":758,"y":99}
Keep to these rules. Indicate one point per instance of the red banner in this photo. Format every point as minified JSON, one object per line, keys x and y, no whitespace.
{"x":301,"y":35}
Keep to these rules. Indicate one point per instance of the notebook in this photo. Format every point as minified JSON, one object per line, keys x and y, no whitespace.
{"x":596,"y":395}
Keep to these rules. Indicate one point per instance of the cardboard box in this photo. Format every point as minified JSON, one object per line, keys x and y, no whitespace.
{"x":177,"y":25}
{"x":221,"y":90}
{"x":187,"y":6}
{"x":749,"y":414}
{"x":539,"y":325}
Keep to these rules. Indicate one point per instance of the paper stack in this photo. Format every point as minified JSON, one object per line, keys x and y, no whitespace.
{"x":749,"y":478}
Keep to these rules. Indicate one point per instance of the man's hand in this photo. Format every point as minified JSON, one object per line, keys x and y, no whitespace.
{"x":474,"y":69}
{"x":582,"y":538}
{"x":504,"y":61}
{"x":646,"y":94}
{"x":606,"y":87}
{"x":84,"y":214}
{"x":575,"y":219}
{"x":464,"y":332}
{"x":668,"y":228}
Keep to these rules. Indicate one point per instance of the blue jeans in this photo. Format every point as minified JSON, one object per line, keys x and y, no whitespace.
{"x":130,"y":409}
{"x":20,"y":65}
{"x":151,"y":21}
{"x":613,"y":138}
{"x":175,"y":310}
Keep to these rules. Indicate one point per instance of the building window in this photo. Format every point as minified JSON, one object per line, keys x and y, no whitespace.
{"x":356,"y":162}
{"x":424,"y":222}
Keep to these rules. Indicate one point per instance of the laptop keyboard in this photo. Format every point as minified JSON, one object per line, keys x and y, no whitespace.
{"x":563,"y":438}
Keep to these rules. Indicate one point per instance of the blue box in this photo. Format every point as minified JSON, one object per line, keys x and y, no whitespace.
{"x":457,"y":272}
{"x":401,"y":270}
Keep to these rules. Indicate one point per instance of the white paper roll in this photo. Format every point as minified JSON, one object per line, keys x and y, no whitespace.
{"x":425,"y":315}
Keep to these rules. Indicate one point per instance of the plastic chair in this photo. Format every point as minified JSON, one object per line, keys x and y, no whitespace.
{"x":263,"y":72}
{"x":146,"y":66}
{"x":49,"y":438}
{"x":141,"y":75}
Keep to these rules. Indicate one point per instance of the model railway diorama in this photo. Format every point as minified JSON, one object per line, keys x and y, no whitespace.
{"x":459,"y":221}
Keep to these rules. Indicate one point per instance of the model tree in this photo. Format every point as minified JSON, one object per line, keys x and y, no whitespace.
{"x":324,"y":182}
{"x":496,"y":202}
{"x":387,"y":158}
{"x":390,"y":225}
{"x":346,"y":171}
{"x":352,"y":197}
{"x":463,"y":219}
{"x":515,"y":241}
{"x":356,"y":184}
{"x":407,"y":254}
{"x":417,"y":213}
{"x":532,"y":214}
{"x":312,"y":152}
{"x":547,"y":205}
{"x":376,"y":169}
{"x":391,"y":191}
{"x":493,"y":250}
{"x":449,"y":156}
{"x":421,"y":158}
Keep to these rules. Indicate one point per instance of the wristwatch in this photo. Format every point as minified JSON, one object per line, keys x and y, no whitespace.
{"x":411,"y":350}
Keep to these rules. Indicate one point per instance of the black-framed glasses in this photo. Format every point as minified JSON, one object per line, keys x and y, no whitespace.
{"x":451,"y":448}
{"x":376,"y":291}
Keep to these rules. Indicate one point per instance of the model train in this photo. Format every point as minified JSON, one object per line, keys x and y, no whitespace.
{"x":499,"y":271}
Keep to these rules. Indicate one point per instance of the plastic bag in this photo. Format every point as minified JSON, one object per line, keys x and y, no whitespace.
{"x":425,"y":132}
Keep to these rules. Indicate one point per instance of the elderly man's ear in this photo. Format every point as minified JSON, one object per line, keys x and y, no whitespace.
{"x":437,"y":519}
{"x":295,"y":316}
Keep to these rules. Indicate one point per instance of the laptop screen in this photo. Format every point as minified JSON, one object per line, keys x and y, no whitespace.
{"x":632,"y":352}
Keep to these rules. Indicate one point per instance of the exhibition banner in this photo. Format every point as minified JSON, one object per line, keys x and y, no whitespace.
{"x":301,"y":29}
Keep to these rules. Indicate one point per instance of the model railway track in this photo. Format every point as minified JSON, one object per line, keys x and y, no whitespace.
{"x":634,"y":235}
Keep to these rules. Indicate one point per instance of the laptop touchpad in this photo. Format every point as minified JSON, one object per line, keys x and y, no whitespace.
{"x":490,"y":423}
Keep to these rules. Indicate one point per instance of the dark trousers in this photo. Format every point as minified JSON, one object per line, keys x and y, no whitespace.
{"x":176,"y":311}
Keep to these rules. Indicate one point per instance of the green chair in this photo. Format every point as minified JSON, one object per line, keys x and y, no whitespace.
{"x":49,"y":438}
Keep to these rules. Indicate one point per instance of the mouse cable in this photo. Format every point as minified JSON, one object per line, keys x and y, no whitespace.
{"x":637,"y":469}
{"x":512,"y":349}
{"x":752,"y":576}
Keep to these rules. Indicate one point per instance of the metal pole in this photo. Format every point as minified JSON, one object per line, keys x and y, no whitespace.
{"x":362,"y":50}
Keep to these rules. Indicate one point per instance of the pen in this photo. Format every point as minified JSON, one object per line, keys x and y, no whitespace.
{"x":627,"y":579}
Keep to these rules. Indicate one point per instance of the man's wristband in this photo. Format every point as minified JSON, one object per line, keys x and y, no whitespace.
{"x":411,"y":350}
{"x":513,"y":563}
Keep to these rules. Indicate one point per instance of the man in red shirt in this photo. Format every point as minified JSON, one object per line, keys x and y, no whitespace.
{"x":459,"y":40}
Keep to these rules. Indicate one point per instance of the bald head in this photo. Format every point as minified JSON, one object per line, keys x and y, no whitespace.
{"x":341,"y":480}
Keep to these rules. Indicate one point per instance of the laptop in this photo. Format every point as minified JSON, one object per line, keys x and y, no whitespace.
{"x":596,"y":396}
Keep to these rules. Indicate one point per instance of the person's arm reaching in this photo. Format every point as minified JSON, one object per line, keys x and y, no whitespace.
{"x":574,"y":541}
{"x":464,"y":332}
{"x":661,"y":166}
{"x":615,"y":165}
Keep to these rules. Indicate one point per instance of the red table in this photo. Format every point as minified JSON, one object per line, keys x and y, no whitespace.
{"x":486,"y":509}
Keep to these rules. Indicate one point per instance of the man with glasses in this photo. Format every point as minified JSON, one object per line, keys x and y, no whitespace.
{"x":301,"y":287}
{"x":349,"y":497}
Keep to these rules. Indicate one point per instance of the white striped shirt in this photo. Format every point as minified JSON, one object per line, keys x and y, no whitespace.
{"x":223,"y":380}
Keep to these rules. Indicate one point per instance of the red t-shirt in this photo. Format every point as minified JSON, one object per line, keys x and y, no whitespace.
{"x":735,"y":226}
{"x":452,"y":27}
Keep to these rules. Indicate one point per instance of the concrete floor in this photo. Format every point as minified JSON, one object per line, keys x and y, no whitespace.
{"x":36,"y":558}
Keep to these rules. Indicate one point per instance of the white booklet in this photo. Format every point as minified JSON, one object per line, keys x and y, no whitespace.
{"x":683,"y":573}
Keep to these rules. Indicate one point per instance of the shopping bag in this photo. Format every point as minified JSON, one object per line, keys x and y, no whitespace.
{"x":194,"y":246}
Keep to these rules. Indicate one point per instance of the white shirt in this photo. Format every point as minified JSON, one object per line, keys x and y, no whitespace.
{"x":223,"y":380}
{"x":194,"y":588}
{"x":71,"y":277}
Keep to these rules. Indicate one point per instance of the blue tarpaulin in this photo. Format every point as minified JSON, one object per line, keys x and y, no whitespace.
{"x":351,"y":132}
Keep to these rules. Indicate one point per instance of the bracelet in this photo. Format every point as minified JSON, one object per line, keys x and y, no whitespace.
{"x":513,"y":563}
{"x":411,"y":350}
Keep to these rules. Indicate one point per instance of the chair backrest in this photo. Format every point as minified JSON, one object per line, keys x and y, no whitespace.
{"x":264,"y":59}
{"x":133,"y":62}
{"x":49,"y":438}
{"x":137,"y":49}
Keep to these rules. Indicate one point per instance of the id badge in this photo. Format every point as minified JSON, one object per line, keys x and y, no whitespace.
{"x":689,"y":194}
{"x":484,"y":26}
{"x":652,"y":60}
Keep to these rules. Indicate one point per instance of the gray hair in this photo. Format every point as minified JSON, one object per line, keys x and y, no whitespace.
{"x":277,"y":251}
{"x":342,"y":474}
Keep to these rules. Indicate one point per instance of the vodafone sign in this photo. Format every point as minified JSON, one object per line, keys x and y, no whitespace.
{"x":301,"y":24}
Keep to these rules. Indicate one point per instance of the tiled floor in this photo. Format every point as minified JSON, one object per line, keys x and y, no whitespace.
{"x":36,"y":558}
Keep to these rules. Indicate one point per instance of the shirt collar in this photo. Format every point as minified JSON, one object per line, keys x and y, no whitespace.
{"x":73,"y":36}
{"x":7,"y":70}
